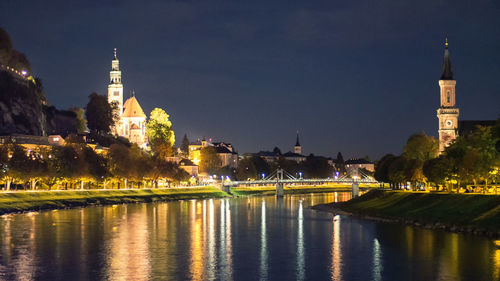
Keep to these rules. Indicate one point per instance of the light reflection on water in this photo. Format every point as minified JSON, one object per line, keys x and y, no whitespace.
{"x":258,"y":238}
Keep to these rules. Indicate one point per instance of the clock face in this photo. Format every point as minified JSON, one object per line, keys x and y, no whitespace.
{"x":449,"y":123}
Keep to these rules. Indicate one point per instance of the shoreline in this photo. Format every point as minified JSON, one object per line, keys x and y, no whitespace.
{"x":360,"y":208}
{"x":28,"y":201}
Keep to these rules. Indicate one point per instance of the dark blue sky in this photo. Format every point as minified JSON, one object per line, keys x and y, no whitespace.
{"x":352,"y":76}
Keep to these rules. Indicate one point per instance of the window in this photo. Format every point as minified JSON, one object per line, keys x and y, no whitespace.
{"x":116,"y":93}
{"x":448,"y":97}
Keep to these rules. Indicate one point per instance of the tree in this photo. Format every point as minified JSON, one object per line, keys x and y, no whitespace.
{"x":396,"y":171}
{"x":261,"y":166}
{"x":101,"y":115}
{"x":474,"y":157}
{"x":141,"y":164}
{"x":209,"y":161}
{"x":120,"y":162}
{"x":160,"y":133}
{"x":382,"y":168}
{"x":418,"y":149}
{"x":185,"y":145}
{"x":438,"y":170}
{"x":15,"y":165}
{"x":97,"y":164}
{"x":81,"y":122}
{"x":71,"y":164}
{"x":316,"y":167}
{"x":482,"y":154}
{"x":246,"y":169}
{"x":421,"y":147}
{"x":37,"y":167}
{"x":340,"y":164}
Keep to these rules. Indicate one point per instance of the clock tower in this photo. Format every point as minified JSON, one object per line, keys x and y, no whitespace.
{"x":115,"y":91}
{"x":447,"y":112}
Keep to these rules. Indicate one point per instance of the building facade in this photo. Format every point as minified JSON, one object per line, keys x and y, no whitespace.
{"x":132,"y":120}
{"x":447,"y":113}
{"x":225,"y":152}
{"x":356,"y":164}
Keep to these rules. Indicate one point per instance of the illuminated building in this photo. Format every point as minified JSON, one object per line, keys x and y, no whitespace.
{"x":224,"y":151}
{"x":447,"y":112}
{"x":132,"y":121}
{"x":449,"y":125}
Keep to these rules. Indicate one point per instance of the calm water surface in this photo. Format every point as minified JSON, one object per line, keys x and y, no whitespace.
{"x":260,"y":238}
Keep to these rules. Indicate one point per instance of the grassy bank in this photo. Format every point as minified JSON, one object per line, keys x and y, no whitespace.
{"x":38,"y":200}
{"x":455,"y":212}
{"x":271,"y":190}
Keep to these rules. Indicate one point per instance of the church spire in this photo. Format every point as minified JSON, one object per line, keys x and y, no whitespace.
{"x":115,"y":58}
{"x":447,"y":73}
{"x":297,"y":148}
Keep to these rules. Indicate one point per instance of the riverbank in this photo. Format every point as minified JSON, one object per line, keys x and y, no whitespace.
{"x":20,"y":201}
{"x":271,"y":190}
{"x":468,"y":213}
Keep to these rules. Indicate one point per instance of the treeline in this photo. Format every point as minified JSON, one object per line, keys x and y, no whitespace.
{"x":78,"y":166}
{"x":471,"y":162}
{"x":253,"y":167}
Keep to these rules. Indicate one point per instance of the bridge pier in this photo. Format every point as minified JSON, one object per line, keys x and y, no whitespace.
{"x":355,"y":189}
{"x":279,"y":189}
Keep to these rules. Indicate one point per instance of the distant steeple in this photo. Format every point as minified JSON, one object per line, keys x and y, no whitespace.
{"x":447,"y":74}
{"x":115,"y":58}
{"x":297,"y":148}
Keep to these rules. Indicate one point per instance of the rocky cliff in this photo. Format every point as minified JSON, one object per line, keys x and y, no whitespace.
{"x":24,"y":109}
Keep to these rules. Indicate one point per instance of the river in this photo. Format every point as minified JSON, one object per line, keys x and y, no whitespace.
{"x":257,"y":238}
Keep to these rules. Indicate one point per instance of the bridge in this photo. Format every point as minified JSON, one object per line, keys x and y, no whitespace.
{"x":281,"y":177}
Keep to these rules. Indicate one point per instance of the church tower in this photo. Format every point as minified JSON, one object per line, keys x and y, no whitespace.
{"x":447,"y":112}
{"x":115,"y":88}
{"x":297,"y":148}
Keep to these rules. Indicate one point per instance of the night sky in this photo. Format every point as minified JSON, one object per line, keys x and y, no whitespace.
{"x":352,"y":76}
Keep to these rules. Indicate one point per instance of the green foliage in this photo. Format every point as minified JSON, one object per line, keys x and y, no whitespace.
{"x":120,"y":161}
{"x":81,"y":125}
{"x":316,"y":167}
{"x":471,"y":159}
{"x":252,"y":167}
{"x":421,"y":147}
{"x":462,"y":210}
{"x":382,"y":168}
{"x":396,"y":171}
{"x":246,"y":169}
{"x":100,"y":114}
{"x":160,"y":134}
{"x":438,"y":170}
{"x":185,"y":145}
{"x":209,"y":161}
